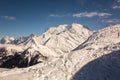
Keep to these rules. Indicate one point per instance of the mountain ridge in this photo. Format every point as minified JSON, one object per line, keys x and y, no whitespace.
{"x":70,"y":52}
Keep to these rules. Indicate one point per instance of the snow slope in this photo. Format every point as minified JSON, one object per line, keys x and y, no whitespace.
{"x":89,"y":57}
{"x":56,"y":40}
{"x":103,"y":37}
{"x":65,"y":38}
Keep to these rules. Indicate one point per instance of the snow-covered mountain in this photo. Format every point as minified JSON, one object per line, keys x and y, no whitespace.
{"x":65,"y":37}
{"x":55,"y":42}
{"x":59,"y":40}
{"x":80,"y":54}
{"x":7,"y":40}
{"x":101,"y":38}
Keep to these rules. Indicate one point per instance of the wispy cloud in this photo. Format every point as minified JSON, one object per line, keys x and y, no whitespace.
{"x":9,"y":17}
{"x":118,"y":1}
{"x":111,"y":21}
{"x":116,"y":7}
{"x":91,"y":14}
{"x":56,"y":15}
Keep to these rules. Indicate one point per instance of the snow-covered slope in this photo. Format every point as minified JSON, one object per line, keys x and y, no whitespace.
{"x":101,"y":38}
{"x":83,"y":63}
{"x":56,"y":40}
{"x":65,"y":38}
{"x":89,"y":57}
{"x":34,"y":41}
{"x":11,"y":49}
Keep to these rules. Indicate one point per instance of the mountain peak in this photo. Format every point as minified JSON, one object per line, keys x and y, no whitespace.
{"x":76,"y":25}
{"x":62,"y":26}
{"x":32,"y":35}
{"x":74,"y":53}
{"x":56,"y":30}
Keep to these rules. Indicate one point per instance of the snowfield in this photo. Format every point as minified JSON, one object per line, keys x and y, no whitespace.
{"x":68,"y":52}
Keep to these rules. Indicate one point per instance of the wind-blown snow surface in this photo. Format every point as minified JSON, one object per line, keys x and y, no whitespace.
{"x":72,"y":48}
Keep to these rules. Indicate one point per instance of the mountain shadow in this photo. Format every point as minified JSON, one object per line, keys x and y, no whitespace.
{"x":106,"y":67}
{"x":20,"y":59}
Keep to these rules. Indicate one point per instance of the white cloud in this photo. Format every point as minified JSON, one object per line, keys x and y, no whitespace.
{"x":112,"y":21}
{"x":91,"y":14}
{"x":56,"y":15}
{"x":9,"y":17}
{"x":118,"y":1}
{"x":116,"y":7}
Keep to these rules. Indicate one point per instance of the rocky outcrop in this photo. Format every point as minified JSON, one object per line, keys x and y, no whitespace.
{"x":20,"y":59}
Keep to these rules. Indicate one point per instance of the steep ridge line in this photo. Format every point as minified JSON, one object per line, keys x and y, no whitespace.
{"x":72,"y":65}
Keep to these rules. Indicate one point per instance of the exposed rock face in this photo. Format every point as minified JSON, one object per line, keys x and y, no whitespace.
{"x":97,"y":57}
{"x":26,"y":58}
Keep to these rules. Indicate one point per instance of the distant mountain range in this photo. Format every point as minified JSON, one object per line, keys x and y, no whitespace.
{"x":63,"y":52}
{"x":61,"y":39}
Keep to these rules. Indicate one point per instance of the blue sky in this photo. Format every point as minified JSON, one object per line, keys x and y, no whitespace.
{"x":23,"y":17}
